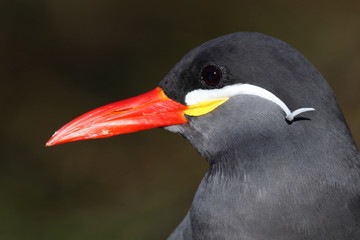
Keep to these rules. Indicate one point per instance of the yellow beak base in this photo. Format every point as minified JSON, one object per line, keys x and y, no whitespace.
{"x":204,"y":107}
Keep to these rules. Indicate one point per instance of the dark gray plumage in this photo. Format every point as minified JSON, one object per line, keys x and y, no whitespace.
{"x":268,"y":178}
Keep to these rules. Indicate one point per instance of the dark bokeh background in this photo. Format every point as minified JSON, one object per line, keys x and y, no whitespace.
{"x":59,"y":59}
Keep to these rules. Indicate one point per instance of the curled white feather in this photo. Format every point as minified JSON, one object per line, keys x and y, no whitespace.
{"x":200,"y":95}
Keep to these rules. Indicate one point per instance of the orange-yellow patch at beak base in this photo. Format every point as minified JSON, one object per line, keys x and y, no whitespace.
{"x":204,"y":107}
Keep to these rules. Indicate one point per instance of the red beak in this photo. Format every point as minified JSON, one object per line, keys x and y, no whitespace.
{"x":149,"y":110}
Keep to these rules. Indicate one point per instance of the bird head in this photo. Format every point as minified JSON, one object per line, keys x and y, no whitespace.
{"x":239,"y":89}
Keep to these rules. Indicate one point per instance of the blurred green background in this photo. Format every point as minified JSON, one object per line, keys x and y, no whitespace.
{"x":59,"y":59}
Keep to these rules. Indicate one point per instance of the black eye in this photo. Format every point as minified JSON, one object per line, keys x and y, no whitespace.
{"x":211,"y":75}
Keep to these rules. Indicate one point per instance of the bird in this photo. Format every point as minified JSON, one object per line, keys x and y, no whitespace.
{"x":282,"y":161}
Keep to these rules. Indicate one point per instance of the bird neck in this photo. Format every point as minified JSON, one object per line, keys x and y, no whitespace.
{"x":299,"y":148}
{"x":269,"y":189}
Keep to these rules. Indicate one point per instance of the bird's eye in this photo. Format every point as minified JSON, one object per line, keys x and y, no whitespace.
{"x":211,"y":75}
